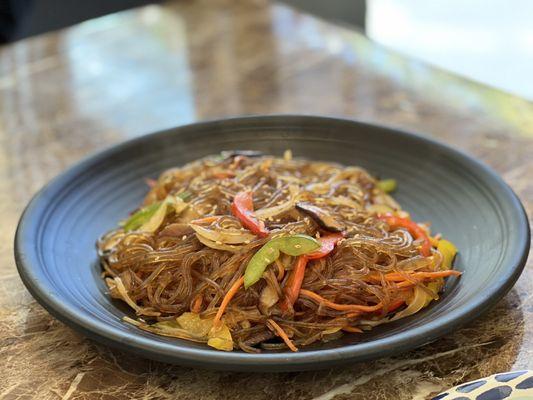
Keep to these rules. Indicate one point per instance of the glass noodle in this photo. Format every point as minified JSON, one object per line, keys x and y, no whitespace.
{"x":180,"y":260}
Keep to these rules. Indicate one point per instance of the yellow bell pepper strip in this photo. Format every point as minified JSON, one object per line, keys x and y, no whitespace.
{"x":412,"y":227}
{"x":448,"y":251}
{"x":243,"y":208}
{"x":387,"y":185}
{"x":296,"y":277}
{"x":293,"y":245}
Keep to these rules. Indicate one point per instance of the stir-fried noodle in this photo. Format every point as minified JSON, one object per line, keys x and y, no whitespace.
{"x":256,"y":252}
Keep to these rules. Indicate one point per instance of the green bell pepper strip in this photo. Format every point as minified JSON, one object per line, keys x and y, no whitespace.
{"x":293,"y":245}
{"x":387,"y":185}
{"x":140,"y":217}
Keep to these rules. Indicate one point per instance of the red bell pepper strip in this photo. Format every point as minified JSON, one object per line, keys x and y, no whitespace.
{"x":328,"y":243}
{"x":243,"y":208}
{"x":296,"y":276}
{"x":412,"y":227}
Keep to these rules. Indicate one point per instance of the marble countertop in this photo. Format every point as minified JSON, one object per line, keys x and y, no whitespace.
{"x":70,"y":93}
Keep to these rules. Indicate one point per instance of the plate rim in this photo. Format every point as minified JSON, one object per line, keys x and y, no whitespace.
{"x":285,"y":361}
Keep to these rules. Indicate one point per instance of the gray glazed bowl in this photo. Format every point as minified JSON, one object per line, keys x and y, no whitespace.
{"x":467,"y":202}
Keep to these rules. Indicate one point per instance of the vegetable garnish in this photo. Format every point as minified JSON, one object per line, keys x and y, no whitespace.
{"x":227,"y":298}
{"x":387,"y":185}
{"x":243,"y":208}
{"x":281,"y":333}
{"x":325,"y":220}
{"x":293,"y":245}
{"x":140,"y":217}
{"x":150,"y":217}
{"x":294,"y":283}
{"x":448,"y":251}
{"x":352,"y":329}
{"x":190,"y":326}
{"x":396,"y":277}
{"x":339,"y":307}
{"x":327,"y":244}
{"x":413,"y":228}
{"x":196,"y":306}
{"x":253,"y":252}
{"x":296,"y":277}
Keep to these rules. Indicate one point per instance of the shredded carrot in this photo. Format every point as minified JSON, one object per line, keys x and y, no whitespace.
{"x":413,"y":228}
{"x":392,"y":306}
{"x":339,"y":307}
{"x":223,"y":175}
{"x":281,"y":269}
{"x":197,"y":304}
{"x":227,"y":298}
{"x":405,"y":284}
{"x":352,"y":329}
{"x":397,"y":277}
{"x":293,"y":284}
{"x":396,"y":304}
{"x":353,"y":314}
{"x":281,"y":333}
{"x":423,"y":275}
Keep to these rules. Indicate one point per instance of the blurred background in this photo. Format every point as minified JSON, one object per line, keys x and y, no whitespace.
{"x":489,"y":41}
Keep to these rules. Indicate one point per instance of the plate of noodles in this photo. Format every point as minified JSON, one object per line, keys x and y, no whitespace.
{"x":272,"y":243}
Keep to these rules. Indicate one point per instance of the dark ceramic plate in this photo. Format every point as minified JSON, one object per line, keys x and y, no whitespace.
{"x":466,"y":201}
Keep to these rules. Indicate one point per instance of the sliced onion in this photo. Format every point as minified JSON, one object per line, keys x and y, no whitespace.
{"x":344,"y":201}
{"x":190,"y":326}
{"x":387,"y":200}
{"x":176,"y":230}
{"x":170,"y":203}
{"x":318,"y":188}
{"x":331,"y":330}
{"x":419,"y":300}
{"x":121,"y":289}
{"x":195,"y":325}
{"x":270,"y":212}
{"x":226,"y":236}
{"x":217,"y":246}
{"x":379,"y":209}
{"x":268,"y":298}
{"x":415,"y":304}
{"x":265,"y":213}
{"x":112,"y":286}
{"x":155,"y":220}
{"x":166,"y":328}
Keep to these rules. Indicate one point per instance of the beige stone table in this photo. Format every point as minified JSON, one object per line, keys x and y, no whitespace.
{"x":67,"y":94}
